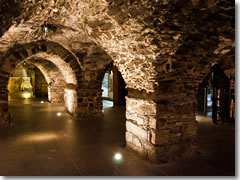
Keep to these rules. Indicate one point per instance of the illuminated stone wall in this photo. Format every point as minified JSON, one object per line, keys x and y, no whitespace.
{"x":163,"y":50}
{"x":57,"y":65}
{"x":4,"y":114}
{"x":161,"y":129}
{"x":90,"y":94}
{"x":41,"y":86}
{"x":51,"y":78}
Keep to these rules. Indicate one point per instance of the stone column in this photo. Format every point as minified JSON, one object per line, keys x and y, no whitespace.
{"x":139,"y":114}
{"x":161,"y":129}
{"x":4,"y":114}
{"x":56,"y":93}
{"x":70,"y":100}
{"x":89,"y":102}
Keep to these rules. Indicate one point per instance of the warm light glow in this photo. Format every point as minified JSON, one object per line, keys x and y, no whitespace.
{"x":38,"y":137}
{"x":42,"y":102}
{"x":205,"y":119}
{"x":70,"y":97}
{"x":118,"y":156}
{"x":27,"y":95}
{"x":65,"y":69}
{"x":49,"y":94}
{"x":55,"y":10}
{"x":24,"y":72}
{"x":59,"y":114}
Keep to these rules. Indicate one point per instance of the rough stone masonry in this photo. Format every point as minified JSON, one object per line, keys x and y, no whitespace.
{"x":163,"y":50}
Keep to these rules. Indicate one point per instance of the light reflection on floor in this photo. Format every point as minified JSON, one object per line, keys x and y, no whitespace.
{"x":37,"y":137}
{"x":41,"y":143}
{"x":107,"y":104}
{"x":209,"y":114}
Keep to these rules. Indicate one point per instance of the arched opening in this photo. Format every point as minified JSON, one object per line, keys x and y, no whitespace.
{"x":27,"y":81}
{"x":41,"y":80}
{"x":216,"y":97}
{"x":54,"y":79}
{"x":59,"y":67}
{"x":113,"y":106}
{"x":107,"y":88}
{"x":113,"y":88}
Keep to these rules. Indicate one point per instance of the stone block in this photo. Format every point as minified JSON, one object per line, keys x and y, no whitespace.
{"x":136,"y":142}
{"x":140,"y":151}
{"x":134,"y":117}
{"x":161,"y":149}
{"x":106,"y":26}
{"x":129,"y":137}
{"x":175,"y":129}
{"x":192,"y":128}
{"x":113,"y":10}
{"x":136,"y":130}
{"x":147,"y":109}
{"x":175,"y":137}
{"x":152,"y":123}
{"x":157,"y":123}
{"x":159,"y":137}
{"x":176,"y":150}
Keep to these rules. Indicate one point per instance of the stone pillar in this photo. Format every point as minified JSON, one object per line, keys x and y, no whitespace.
{"x":89,"y":102}
{"x":56,"y":94}
{"x":161,"y":130}
{"x":4,"y":114}
{"x":70,"y":100}
{"x":89,"y":94}
{"x":139,"y":114}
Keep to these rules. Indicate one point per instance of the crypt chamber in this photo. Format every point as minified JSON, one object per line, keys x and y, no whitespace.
{"x":117,"y":87}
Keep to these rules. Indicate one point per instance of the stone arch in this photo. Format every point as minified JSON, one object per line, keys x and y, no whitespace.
{"x":158,"y":47}
{"x":90,"y":93}
{"x":42,"y":49}
{"x":217,"y":83}
{"x":97,"y":85}
{"x":108,"y":69}
{"x":66,"y":71}
{"x":119,"y":85}
{"x":65,"y":62}
{"x":54,"y":78}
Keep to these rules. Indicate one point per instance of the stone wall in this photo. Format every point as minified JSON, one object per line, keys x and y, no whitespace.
{"x":163,"y":50}
{"x":62,"y":70}
{"x":5,"y":117}
{"x":41,"y":86}
{"x":55,"y":82}
{"x":59,"y":68}
{"x":161,"y":129}
{"x":139,"y":114}
{"x":70,"y":100}
{"x":90,"y":94}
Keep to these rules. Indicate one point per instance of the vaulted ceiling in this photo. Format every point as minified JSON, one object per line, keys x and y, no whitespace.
{"x":149,"y":41}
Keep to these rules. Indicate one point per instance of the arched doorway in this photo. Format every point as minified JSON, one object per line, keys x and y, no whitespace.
{"x":27,"y":82}
{"x":113,"y":88}
{"x":59,"y":67}
{"x":215,"y":96}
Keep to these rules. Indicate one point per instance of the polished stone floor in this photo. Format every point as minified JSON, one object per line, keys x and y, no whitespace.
{"x":43,"y":142}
